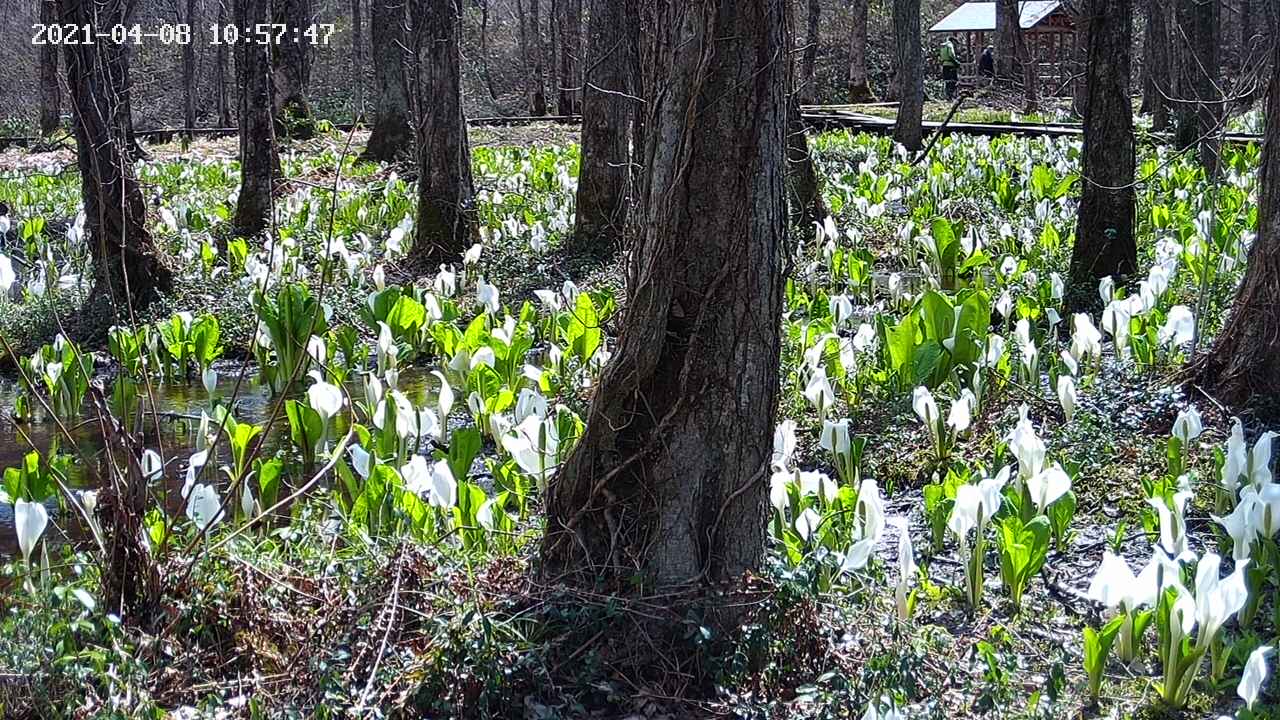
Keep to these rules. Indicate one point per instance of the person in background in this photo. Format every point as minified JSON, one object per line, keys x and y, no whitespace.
{"x":950,"y":66}
{"x":987,"y":63}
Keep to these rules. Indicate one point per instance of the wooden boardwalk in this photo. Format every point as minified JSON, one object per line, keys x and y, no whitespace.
{"x":818,"y":117}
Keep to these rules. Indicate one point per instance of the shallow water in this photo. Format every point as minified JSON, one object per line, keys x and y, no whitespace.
{"x":171,"y":431}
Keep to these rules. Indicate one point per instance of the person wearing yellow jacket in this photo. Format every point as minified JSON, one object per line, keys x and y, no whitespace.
{"x":950,"y":66}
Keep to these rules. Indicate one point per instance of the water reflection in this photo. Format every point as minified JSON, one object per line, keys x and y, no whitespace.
{"x":172,"y":431}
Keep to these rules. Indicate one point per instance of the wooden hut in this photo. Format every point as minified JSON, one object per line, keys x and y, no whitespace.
{"x":1047,"y":27}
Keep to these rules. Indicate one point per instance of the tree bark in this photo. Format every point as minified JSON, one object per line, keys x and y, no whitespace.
{"x":909,"y":130}
{"x":220,"y":72}
{"x":670,"y":479}
{"x":128,"y":267}
{"x":1104,"y":242}
{"x":640,"y":54}
{"x":608,"y":112}
{"x":1008,"y":31}
{"x":189,"y":71}
{"x":1254,"y":45}
{"x":484,"y":50}
{"x":1244,"y":363}
{"x":859,"y":83}
{"x":569,"y":32}
{"x":806,"y":90}
{"x":357,"y":60}
{"x":531,"y":34}
{"x":803,"y":187}
{"x":259,"y":163}
{"x":1200,"y":108}
{"x":50,"y":91}
{"x":291,"y":68}
{"x":1079,"y":56}
{"x":392,"y":132}
{"x":446,"y":197}
{"x":1030,"y":74}
{"x":1158,"y":85}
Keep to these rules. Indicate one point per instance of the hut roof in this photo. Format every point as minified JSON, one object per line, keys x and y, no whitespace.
{"x":981,"y":16}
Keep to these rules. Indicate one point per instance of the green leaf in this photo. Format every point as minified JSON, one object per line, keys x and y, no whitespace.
{"x":583,"y":334}
{"x":925,"y":363}
{"x":464,"y":446}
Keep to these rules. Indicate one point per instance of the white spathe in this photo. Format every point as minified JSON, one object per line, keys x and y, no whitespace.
{"x":29,"y":521}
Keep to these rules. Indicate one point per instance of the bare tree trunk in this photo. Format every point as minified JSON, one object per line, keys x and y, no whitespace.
{"x":1079,"y":56}
{"x":569,"y":32}
{"x":1198,"y":120}
{"x":1246,"y":30}
{"x":127,"y":265}
{"x":859,"y":83}
{"x":909,"y":129}
{"x":639,"y":57}
{"x":1255,"y":39}
{"x":1244,"y":364}
{"x":392,"y":130}
{"x":446,"y":197}
{"x":291,"y":69}
{"x":806,"y":90}
{"x":189,"y":71}
{"x":608,"y":112}
{"x":535,"y":83}
{"x":220,"y":74}
{"x":669,"y":482}
{"x":1158,"y":87}
{"x":1008,"y":31}
{"x":1030,"y":74}
{"x":259,"y":162}
{"x":120,"y":95}
{"x":484,"y":49}
{"x":50,"y":91}
{"x":522,"y":20}
{"x":1104,"y":232}
{"x":357,"y":60}
{"x":804,"y":191}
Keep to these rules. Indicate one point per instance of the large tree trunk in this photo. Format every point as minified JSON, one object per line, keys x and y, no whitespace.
{"x":446,"y":198}
{"x":127,"y":264}
{"x":291,"y":68}
{"x":357,"y":61}
{"x":1158,"y":85}
{"x":669,"y":482}
{"x":806,"y":90}
{"x":220,"y":72}
{"x":1079,"y":55}
{"x":569,"y":31}
{"x":484,"y":50}
{"x":1030,"y":74}
{"x":189,"y":71}
{"x":1200,"y":111}
{"x":639,"y":56}
{"x":1244,"y":363}
{"x":531,"y":43}
{"x":804,"y":191}
{"x":908,"y":129}
{"x":392,"y":132}
{"x":259,"y":163}
{"x":1104,"y":232}
{"x":608,"y":111}
{"x":122,"y":85}
{"x":859,"y":83}
{"x":1008,"y":32}
{"x":50,"y":91}
{"x":1257,"y":25}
